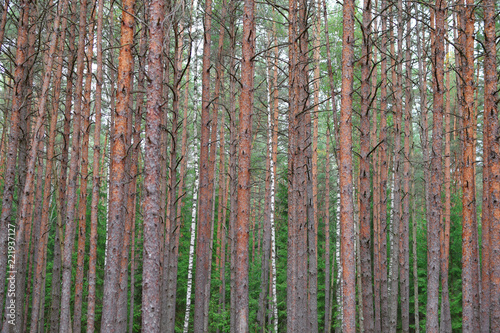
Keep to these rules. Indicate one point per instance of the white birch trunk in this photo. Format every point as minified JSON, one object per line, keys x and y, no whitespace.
{"x":191,"y":249}
{"x":391,"y":235}
{"x":271,"y":217}
{"x":337,"y":257}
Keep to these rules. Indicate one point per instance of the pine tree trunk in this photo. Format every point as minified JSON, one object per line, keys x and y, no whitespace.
{"x":491,"y":109}
{"x":69,"y":236}
{"x":404,"y":246}
{"x":376,"y":198}
{"x":364,"y":176}
{"x":470,"y":292}
{"x":384,"y":168}
{"x":41,"y":251}
{"x":96,"y":177}
{"x":330,"y":75}
{"x":312,"y":156}
{"x":170,"y":277}
{"x":202,"y":279}
{"x":415,"y":262}
{"x":244,"y":186}
{"x":5,"y":9}
{"x":345,"y":170}
{"x":435,"y":209}
{"x":233,"y":163}
{"x":82,"y":204}
{"x":119,"y":151}
{"x":62,"y":181}
{"x":14,"y":138}
{"x":445,"y":322}
{"x":151,"y":281}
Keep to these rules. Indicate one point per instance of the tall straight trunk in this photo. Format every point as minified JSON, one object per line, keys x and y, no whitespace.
{"x":41,"y":252}
{"x":223,"y":217}
{"x":266,"y":235}
{"x":384,"y":168}
{"x":217,"y":102}
{"x":82,"y":204}
{"x":191,"y":243}
{"x":27,"y":110}
{"x":309,"y":246}
{"x":117,"y":186}
{"x":364,"y":176}
{"x":14,"y":137}
{"x":330,"y":74}
{"x":134,"y":164}
{"x":313,"y":261}
{"x":424,"y":128}
{"x":312,"y":155}
{"x":292,"y":228}
{"x":69,"y":236}
{"x":221,"y":204}
{"x":376,"y":198}
{"x":128,"y":202}
{"x":182,"y":172}
{"x":435,"y":209}
{"x":444,"y":233}
{"x":358,"y":261}
{"x":213,"y":154}
{"x":298,"y":195}
{"x":244,"y":186}
{"x":34,"y":215}
{"x":202,"y":280}
{"x":233,"y":162}
{"x":404,"y":246}
{"x":170,"y":277}
{"x":398,"y":114}
{"x":62,"y":180}
{"x":328,"y":300}
{"x":151,"y":280}
{"x":273,"y":162}
{"x":345,"y":170}
{"x":416,"y":309}
{"x":96,"y":177}
{"x":470,"y":292}
{"x":25,"y":208}
{"x":493,"y":153}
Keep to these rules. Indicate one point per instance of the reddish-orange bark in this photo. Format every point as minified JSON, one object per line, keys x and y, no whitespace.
{"x":117,"y":187}
{"x":245,"y":135}
{"x":345,"y":171}
{"x":491,"y":108}
{"x":69,"y":236}
{"x":14,"y":136}
{"x":202,"y":280}
{"x":444,"y":233}
{"x":96,"y":176}
{"x":470,"y":292}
